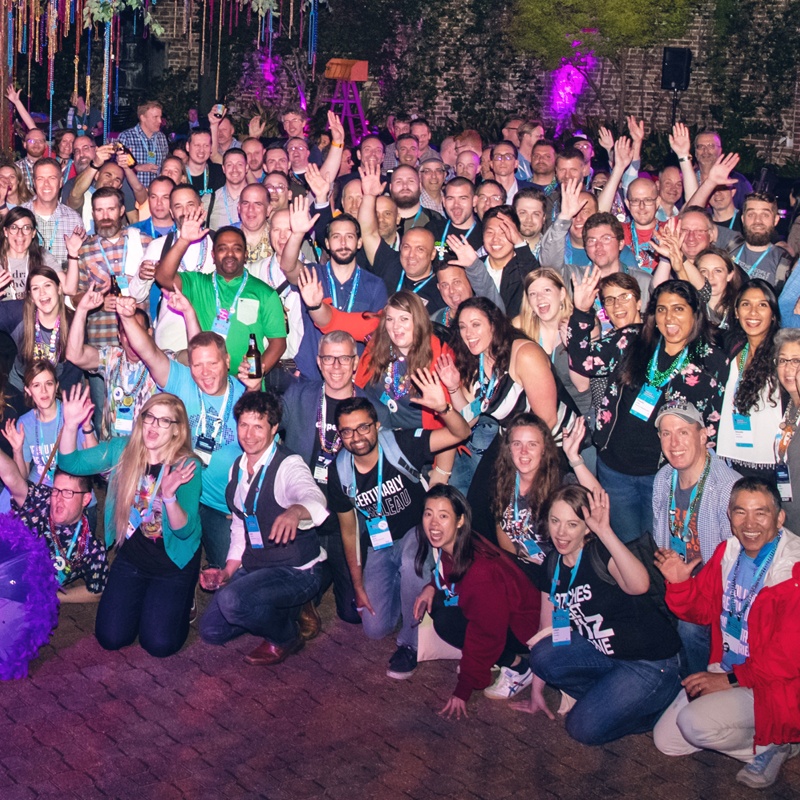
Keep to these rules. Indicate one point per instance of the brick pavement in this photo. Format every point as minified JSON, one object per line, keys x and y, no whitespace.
{"x":327,"y":724}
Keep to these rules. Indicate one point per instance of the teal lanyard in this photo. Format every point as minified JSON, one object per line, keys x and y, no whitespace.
{"x":752,"y":268}
{"x":379,"y":505}
{"x":124,"y":257}
{"x":417,"y":288}
{"x":690,"y":509}
{"x":554,"y":582}
{"x":227,"y":402}
{"x":232,"y":309}
{"x":485,"y":391}
{"x":353,"y":289}
{"x":552,"y":354}
{"x":733,"y":220}
{"x":264,"y":468}
{"x":753,"y":589}
{"x":449,"y":591}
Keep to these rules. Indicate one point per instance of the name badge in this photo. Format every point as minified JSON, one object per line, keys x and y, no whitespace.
{"x":678,"y":545}
{"x":645,"y":403}
{"x":733,"y":626}
{"x":471,"y":411}
{"x":122,"y":280}
{"x":533,"y":550}
{"x":205,"y":444}
{"x":784,"y":482}
{"x":222,"y":323}
{"x":321,"y":469}
{"x":452,"y":600}
{"x":742,"y":431}
{"x":561,"y":630}
{"x":134,"y":522}
{"x":123,"y":421}
{"x":380,"y":536}
{"x":253,"y":532}
{"x":389,"y":402}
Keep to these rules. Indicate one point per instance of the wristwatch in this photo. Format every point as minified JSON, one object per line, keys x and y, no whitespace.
{"x":732,"y":678}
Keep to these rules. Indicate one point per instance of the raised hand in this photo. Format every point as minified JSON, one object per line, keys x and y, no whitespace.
{"x":77,"y":406}
{"x":74,"y":241}
{"x":606,"y":140}
{"x":446,"y":368}
{"x":720,"y":172}
{"x":299,"y":218}
{"x":597,"y":520}
{"x":572,"y":440}
{"x":673,"y":567}
{"x":337,"y":129}
{"x":6,"y":278}
{"x":623,"y":153}
{"x":680,"y":141}
{"x":310,"y":287}
{"x":636,"y":129}
{"x":255,"y":127}
{"x":176,"y":475}
{"x":147,"y":270}
{"x":571,"y":200}
{"x":584,"y":289}
{"x":15,"y":436}
{"x":92,"y":299}
{"x":13,"y":94}
{"x":191,"y":225}
{"x":431,"y":391}
{"x":371,"y":180}
{"x":465,"y":252}
{"x":510,"y":230}
{"x":317,"y":182}
{"x":178,"y":302}
{"x":126,"y":307}
{"x":104,"y":153}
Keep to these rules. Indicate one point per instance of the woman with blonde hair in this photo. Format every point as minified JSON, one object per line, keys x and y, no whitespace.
{"x":152,"y":516}
{"x":18,"y":191}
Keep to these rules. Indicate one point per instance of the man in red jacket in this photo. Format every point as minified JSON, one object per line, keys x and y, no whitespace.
{"x":748,"y":704}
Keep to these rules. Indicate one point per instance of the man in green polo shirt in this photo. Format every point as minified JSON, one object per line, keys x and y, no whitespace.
{"x":229,"y":301}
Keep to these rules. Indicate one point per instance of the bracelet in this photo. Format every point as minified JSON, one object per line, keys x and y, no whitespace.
{"x":85,"y":432}
{"x":684,"y":159}
{"x":72,"y":258}
{"x":314,"y":308}
{"x":92,"y":165}
{"x":452,"y":391}
{"x":579,"y":463}
{"x":732,"y":679}
{"x":443,"y":472}
{"x":168,"y":500}
{"x":446,"y":410}
{"x":340,"y":145}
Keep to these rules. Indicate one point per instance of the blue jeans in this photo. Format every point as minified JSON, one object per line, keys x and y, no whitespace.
{"x":631,"y":499}
{"x":334,"y":570}
{"x":216,"y":535}
{"x":614,"y":697}
{"x":696,"y":641}
{"x":392,"y":585}
{"x":264,"y":602}
{"x":483,"y":435}
{"x":153,"y":607}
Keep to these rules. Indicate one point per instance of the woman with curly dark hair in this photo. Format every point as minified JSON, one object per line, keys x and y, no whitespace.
{"x":751,"y":409}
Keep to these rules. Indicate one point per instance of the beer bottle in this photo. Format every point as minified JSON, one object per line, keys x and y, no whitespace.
{"x":114,"y":290}
{"x":253,"y":357}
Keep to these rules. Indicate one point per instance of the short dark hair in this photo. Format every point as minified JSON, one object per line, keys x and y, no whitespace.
{"x":343,"y":218}
{"x":420,"y":121}
{"x":568,"y":153}
{"x":544,"y":143}
{"x":184,"y":187}
{"x":761,"y":197}
{"x":491,"y":182}
{"x":404,"y":137}
{"x":109,"y":191}
{"x":263,"y":404}
{"x":623,"y":281}
{"x":352,"y":404}
{"x":230,"y":229}
{"x":460,"y":181}
{"x":197,"y":132}
{"x":46,"y":161}
{"x":755,"y":484}
{"x":84,"y":481}
{"x":234,"y":151}
{"x":164,"y":179}
{"x":507,"y":210}
{"x":507,"y":144}
{"x":530,"y":194}
{"x":604,"y":218}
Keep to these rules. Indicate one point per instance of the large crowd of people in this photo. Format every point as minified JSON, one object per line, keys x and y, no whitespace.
{"x":546,"y":398}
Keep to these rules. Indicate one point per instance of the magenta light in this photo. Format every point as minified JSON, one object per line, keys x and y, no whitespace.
{"x":568,"y":83}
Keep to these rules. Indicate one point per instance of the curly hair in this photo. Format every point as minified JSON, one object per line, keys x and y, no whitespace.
{"x":504,"y":334}
{"x":548,"y":474}
{"x":760,"y":372}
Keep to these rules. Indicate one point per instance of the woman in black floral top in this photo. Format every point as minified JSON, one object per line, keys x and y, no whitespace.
{"x":669,"y":357}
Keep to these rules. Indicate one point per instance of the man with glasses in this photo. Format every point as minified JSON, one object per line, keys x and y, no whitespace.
{"x":489,"y":194}
{"x":504,"y":167}
{"x":309,"y":422}
{"x":294,"y":121}
{"x":34,"y":144}
{"x":707,"y":149}
{"x":58,"y":514}
{"x":431,"y":175}
{"x":377,"y":473}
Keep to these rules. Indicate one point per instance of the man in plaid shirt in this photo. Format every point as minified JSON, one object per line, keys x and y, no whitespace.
{"x":146,"y":142}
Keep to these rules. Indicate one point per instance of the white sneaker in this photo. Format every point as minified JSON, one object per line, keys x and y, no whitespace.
{"x":509,"y":683}
{"x":763,"y":770}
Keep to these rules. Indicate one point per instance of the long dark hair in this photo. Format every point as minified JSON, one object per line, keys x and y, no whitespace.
{"x":548,"y":476}
{"x":35,"y":249}
{"x":633,"y":368}
{"x":728,"y":300}
{"x":576,"y":497}
{"x":503,"y":336}
{"x":760,"y":372}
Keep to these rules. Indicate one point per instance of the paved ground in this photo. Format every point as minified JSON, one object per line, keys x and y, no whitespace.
{"x":327,"y":724}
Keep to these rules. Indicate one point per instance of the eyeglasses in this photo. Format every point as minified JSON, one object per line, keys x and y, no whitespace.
{"x":642,"y":201}
{"x":610,"y":301}
{"x":431,"y":172}
{"x":342,"y":361}
{"x":20,"y":228}
{"x":35,"y":141}
{"x":607,"y":239}
{"x":297,"y":148}
{"x":162,"y":422}
{"x":706,"y":148}
{"x":67,"y":494}
{"x":363,"y":430}
{"x":277,"y":188}
{"x":788,"y":362}
{"x":504,"y":157}
{"x":495,"y":197}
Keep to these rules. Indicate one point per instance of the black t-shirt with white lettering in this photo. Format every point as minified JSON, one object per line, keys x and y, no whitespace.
{"x":331,"y":523}
{"x":619,"y":625}
{"x":388,"y":267}
{"x":402,"y":498}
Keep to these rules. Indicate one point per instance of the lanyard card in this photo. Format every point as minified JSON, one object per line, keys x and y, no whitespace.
{"x":379,"y":534}
{"x":678,"y":545}
{"x":122,"y":280}
{"x":123,"y":421}
{"x":222,"y":323}
{"x":645,"y":403}
{"x":733,"y":626}
{"x":533,"y":550}
{"x":742,"y":430}
{"x":134,"y":521}
{"x":561,"y":629}
{"x":321,"y":469}
{"x":253,"y":532}
{"x":784,"y":482}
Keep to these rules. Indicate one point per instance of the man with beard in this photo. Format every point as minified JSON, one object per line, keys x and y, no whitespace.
{"x":404,"y":189}
{"x":543,"y":166}
{"x":109,"y":257}
{"x":349,"y":287}
{"x":531,"y":207}
{"x":229,"y":301}
{"x":459,"y":197}
{"x":254,"y":151}
{"x":34,"y":144}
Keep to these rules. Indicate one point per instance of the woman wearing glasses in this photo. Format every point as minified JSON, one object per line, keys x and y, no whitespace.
{"x":152,"y":516}
{"x":787,"y":445}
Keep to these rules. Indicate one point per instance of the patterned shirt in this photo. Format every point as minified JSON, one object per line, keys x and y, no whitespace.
{"x":146,"y":151}
{"x":52,"y":230}
{"x":262,"y":250}
{"x":87,"y":561}
{"x":26,"y":167}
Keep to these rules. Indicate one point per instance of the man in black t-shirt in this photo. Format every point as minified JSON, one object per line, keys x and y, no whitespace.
{"x":204,"y":175}
{"x":377,"y":473}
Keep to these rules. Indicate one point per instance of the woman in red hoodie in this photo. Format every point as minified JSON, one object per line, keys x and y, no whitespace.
{"x":480,"y":600}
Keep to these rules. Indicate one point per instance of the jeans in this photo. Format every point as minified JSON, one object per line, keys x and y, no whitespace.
{"x":97,"y":391}
{"x":614,"y":697}
{"x":334,"y":571}
{"x":696,"y":641}
{"x":631,"y":499}
{"x":216,"y":535}
{"x":153,"y":607}
{"x":264,"y":602}
{"x":392,"y":585}
{"x":483,"y":435}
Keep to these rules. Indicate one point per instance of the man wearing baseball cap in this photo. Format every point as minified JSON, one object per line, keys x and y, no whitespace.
{"x":690,"y":505}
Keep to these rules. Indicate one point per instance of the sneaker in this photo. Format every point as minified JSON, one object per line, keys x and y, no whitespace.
{"x":509,"y":683}
{"x":193,"y":609}
{"x":763,"y":770}
{"x":403,"y":663}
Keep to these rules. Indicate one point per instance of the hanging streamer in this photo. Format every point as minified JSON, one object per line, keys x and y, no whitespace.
{"x":219,"y":45}
{"x":88,"y":98}
{"x":106,"y":79}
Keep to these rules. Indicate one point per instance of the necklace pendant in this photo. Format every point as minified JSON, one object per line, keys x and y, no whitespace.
{"x":392,"y":405}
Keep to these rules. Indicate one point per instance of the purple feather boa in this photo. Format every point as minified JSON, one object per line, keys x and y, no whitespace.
{"x":41,"y":601}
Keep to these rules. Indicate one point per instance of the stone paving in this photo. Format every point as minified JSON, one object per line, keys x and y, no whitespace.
{"x":326,"y":724}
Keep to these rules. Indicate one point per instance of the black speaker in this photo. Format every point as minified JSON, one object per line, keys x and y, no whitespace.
{"x":676,"y":67}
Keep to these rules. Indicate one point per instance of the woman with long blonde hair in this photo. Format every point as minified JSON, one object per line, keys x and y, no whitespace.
{"x":152,"y":516}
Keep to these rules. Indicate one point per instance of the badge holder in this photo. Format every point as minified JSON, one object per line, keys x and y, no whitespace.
{"x":678,"y":545}
{"x":321,"y":469}
{"x":646,"y":402}
{"x":204,"y":448}
{"x":123,"y":421}
{"x":742,"y":430}
{"x":222,"y":323}
{"x":380,"y":537}
{"x":253,"y":532}
{"x":784,"y":482}
{"x":733,"y":626}
{"x":134,"y":522}
{"x":562,"y":632}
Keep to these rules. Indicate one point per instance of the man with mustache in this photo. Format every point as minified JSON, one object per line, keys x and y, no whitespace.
{"x":757,"y":256}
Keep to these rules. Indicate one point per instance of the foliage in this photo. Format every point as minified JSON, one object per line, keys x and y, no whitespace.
{"x":104,"y":11}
